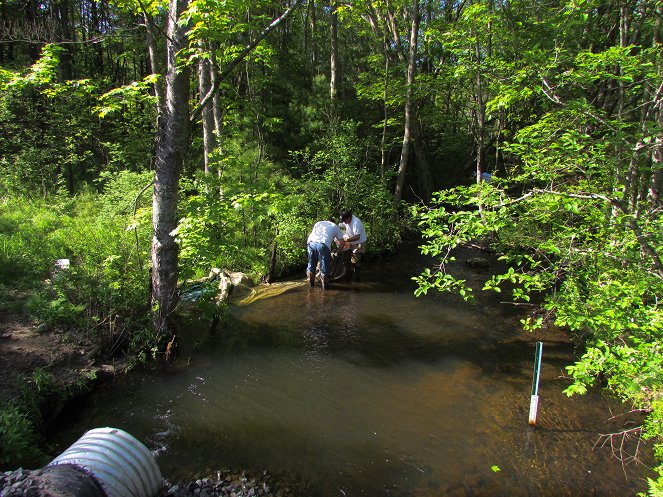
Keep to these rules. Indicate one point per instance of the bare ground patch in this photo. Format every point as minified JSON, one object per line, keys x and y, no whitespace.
{"x":24,"y":348}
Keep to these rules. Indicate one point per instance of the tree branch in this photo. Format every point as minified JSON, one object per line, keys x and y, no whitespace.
{"x":195,"y":114}
{"x":631,"y":221}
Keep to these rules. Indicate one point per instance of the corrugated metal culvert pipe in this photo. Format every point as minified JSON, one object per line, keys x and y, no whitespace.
{"x":118,"y":462}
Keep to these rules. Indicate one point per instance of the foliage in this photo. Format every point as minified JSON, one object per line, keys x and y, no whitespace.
{"x":578,"y":220}
{"x":25,"y":419}
{"x":52,"y":141}
{"x":19,"y":442}
{"x":562,"y":108}
{"x":233,"y":220}
{"x":103,"y":293}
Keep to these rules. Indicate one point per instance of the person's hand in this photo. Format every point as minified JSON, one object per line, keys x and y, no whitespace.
{"x":345,"y":237}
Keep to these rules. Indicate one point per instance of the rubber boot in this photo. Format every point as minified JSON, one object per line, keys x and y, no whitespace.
{"x":311,"y":278}
{"x":325,"y":282}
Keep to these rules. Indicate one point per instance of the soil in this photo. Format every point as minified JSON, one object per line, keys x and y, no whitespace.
{"x":26,"y":347}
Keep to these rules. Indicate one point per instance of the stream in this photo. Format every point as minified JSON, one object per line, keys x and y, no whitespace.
{"x":366,"y":390}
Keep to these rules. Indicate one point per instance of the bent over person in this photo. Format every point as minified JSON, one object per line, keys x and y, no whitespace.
{"x":355,"y":235}
{"x":319,"y":250}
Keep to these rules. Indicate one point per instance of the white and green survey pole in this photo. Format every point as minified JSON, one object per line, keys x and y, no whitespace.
{"x":534,"y":400}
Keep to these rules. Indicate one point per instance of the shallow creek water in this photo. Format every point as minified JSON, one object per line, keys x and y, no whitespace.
{"x":366,"y":390}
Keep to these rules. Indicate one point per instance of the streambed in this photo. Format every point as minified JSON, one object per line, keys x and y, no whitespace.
{"x":366,"y":390}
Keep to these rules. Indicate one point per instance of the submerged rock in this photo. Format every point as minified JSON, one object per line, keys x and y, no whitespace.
{"x":478,"y":263}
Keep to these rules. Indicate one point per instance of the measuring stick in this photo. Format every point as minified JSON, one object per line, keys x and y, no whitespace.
{"x":534,"y":400}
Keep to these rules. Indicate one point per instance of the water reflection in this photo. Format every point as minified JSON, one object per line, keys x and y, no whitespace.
{"x":365,"y":390}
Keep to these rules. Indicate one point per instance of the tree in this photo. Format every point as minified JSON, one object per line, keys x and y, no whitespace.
{"x":171,"y":144}
{"x":172,"y":141}
{"x":409,"y":111}
{"x":576,"y":213}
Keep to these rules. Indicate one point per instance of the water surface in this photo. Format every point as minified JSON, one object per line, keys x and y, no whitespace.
{"x":366,"y":390}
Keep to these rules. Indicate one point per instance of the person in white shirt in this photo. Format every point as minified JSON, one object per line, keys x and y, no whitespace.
{"x":355,"y":235}
{"x":318,"y":247}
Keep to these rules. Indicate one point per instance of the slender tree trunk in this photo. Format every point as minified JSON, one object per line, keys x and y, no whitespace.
{"x":480,"y":114}
{"x":155,"y":64}
{"x":207,"y":114}
{"x":314,"y":30}
{"x":334,"y":71}
{"x":385,"y":111}
{"x":409,"y":111}
{"x":171,"y":144}
{"x":217,"y":110}
{"x":65,"y":68}
{"x":656,"y":185}
{"x":424,"y":175}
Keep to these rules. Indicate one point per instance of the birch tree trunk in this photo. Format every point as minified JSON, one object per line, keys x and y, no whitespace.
{"x":171,"y":144}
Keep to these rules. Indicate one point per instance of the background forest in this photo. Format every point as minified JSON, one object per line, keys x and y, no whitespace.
{"x":152,"y":142}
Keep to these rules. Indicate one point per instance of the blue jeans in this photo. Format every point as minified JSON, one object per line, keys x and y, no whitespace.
{"x":319,"y":252}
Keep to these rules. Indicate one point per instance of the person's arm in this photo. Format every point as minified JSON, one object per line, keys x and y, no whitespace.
{"x":352,"y":227}
{"x":339,"y":238}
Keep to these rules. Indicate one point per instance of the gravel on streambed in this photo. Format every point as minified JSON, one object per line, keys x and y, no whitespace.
{"x":225,"y":483}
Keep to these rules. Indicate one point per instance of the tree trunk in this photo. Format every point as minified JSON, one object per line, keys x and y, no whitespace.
{"x":171,"y":144}
{"x":207,"y":114}
{"x":314,"y":30}
{"x":217,"y":110}
{"x":155,"y":65}
{"x":385,"y":112}
{"x":409,"y":111}
{"x":65,"y":68}
{"x":424,"y":176}
{"x":334,"y":73}
{"x":656,"y":185}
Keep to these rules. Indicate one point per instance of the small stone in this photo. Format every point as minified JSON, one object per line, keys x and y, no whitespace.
{"x":32,"y":491}
{"x":13,"y":492}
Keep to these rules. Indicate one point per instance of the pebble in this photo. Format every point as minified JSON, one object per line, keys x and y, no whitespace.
{"x":19,"y":483}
